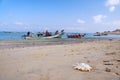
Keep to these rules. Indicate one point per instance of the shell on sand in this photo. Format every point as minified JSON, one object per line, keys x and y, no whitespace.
{"x":82,"y":67}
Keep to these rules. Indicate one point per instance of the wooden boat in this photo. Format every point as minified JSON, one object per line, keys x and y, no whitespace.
{"x":104,"y":34}
{"x":100,"y":34}
{"x":43,"y":37}
{"x":76,"y":35}
{"x":54,"y":36}
{"x":97,"y":34}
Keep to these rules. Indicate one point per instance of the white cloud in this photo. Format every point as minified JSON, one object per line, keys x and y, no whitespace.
{"x":112,"y":4}
{"x":99,"y":18}
{"x":112,"y":8}
{"x":81,"y":21}
{"x":18,"y":23}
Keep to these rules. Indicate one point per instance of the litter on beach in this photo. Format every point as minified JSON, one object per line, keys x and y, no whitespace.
{"x":82,"y":67}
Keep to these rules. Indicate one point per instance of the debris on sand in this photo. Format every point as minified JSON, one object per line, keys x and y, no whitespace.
{"x":108,"y":64}
{"x":117,"y":73}
{"x":106,"y":61}
{"x":82,"y":67}
{"x":118,"y":60}
{"x":111,"y":53}
{"x":108,"y":70}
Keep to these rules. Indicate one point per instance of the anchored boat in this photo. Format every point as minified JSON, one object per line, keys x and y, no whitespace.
{"x":76,"y":35}
{"x":59,"y":35}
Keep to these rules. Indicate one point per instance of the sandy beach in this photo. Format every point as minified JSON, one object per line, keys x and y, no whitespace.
{"x":55,"y":62}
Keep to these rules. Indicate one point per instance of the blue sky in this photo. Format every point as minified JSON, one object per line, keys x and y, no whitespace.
{"x":70,"y":15}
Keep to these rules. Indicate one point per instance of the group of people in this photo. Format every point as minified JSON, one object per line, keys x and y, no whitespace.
{"x":46,"y":33}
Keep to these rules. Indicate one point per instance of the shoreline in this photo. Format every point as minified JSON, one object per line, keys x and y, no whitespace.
{"x":8,"y":44}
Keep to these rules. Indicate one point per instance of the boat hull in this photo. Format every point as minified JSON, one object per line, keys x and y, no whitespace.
{"x":76,"y":36}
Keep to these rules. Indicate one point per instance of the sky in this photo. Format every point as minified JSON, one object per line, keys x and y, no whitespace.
{"x":52,"y":15}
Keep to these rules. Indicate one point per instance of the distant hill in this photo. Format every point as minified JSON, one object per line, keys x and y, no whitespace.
{"x":116,"y":32}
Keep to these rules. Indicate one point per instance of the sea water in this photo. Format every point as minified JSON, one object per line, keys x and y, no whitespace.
{"x":19,"y":36}
{"x":11,"y":35}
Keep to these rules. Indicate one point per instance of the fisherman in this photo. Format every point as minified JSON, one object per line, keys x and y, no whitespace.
{"x":62,"y":31}
{"x":28,"y":33}
{"x":50,"y":34}
{"x":39,"y":34}
{"x":46,"y":33}
{"x":56,"y":32}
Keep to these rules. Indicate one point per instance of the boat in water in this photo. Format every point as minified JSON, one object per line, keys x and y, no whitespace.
{"x":76,"y":35}
{"x":97,"y":34}
{"x":32,"y":37}
{"x":100,"y":34}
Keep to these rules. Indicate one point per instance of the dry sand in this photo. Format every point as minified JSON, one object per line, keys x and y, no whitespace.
{"x":55,"y":62}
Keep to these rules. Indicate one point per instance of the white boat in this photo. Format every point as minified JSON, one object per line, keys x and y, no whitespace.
{"x":43,"y":37}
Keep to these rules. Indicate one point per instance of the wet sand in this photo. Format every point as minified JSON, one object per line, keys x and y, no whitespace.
{"x":8,"y":44}
{"x":54,"y":61}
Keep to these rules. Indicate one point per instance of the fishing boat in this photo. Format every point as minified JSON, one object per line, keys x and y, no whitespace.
{"x":100,"y":34}
{"x":76,"y":35}
{"x":53,"y":36}
{"x":43,"y":37}
{"x":97,"y":34}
